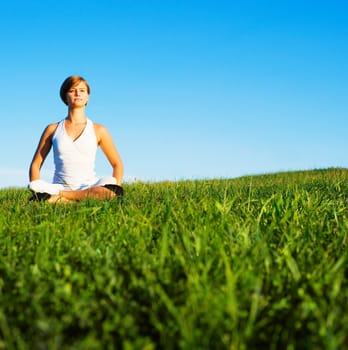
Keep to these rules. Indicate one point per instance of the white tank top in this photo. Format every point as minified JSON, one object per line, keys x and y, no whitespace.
{"x":74,"y":160}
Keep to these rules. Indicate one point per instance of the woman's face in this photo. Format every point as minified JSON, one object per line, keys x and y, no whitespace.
{"x":78,"y":95}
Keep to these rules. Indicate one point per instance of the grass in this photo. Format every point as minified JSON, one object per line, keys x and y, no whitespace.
{"x":258,"y":262}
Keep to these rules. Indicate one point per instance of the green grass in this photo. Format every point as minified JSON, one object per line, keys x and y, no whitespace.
{"x":257,"y":262}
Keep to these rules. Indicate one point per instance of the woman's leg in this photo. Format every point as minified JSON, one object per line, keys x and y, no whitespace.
{"x":98,"y":192}
{"x":104,"y":188}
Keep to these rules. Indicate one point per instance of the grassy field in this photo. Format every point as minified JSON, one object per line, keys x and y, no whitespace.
{"x":257,"y":262}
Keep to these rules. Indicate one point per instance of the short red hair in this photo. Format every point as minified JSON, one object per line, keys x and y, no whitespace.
{"x":70,"y":82}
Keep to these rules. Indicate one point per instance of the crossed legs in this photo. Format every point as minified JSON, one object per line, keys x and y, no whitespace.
{"x":105,"y":188}
{"x":98,"y":192}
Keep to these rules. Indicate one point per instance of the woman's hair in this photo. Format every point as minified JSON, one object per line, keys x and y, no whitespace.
{"x":69,"y":83}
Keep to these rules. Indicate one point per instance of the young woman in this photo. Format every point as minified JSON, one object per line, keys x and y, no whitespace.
{"x":75,"y":140}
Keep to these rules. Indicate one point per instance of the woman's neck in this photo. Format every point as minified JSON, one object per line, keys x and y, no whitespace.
{"x":76,"y":115}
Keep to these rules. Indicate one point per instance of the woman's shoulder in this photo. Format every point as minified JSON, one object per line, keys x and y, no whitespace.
{"x":51,"y":128}
{"x":53,"y":125}
{"x":98,"y":125}
{"x":99,"y":128}
{"x":101,"y":131}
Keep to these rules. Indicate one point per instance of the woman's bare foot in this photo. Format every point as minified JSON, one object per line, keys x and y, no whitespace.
{"x":56,"y":198}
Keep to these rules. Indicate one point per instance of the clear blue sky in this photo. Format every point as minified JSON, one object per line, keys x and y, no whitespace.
{"x":188,"y":89}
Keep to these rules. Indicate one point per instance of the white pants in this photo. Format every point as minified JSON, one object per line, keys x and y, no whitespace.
{"x":42,"y":186}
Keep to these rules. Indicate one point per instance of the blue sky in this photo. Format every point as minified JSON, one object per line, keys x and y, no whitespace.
{"x":189,"y":89}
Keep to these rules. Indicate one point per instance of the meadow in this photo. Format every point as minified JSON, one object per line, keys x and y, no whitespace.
{"x":257,"y":262}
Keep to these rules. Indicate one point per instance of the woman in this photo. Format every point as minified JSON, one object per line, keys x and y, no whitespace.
{"x":75,"y":140}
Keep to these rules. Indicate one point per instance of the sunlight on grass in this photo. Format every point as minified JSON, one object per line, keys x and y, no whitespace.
{"x":247,"y":263}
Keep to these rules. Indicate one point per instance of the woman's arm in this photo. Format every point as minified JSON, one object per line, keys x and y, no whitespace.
{"x":41,"y":152}
{"x":108,"y":147}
